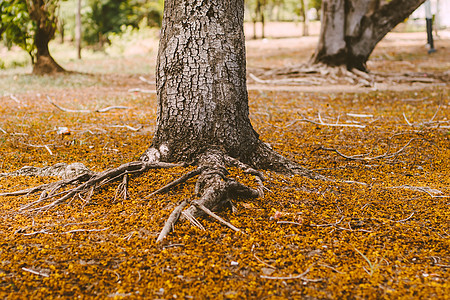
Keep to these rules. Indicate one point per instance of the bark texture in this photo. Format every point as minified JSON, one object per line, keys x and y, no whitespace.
{"x":352,"y":28}
{"x":201,"y":82}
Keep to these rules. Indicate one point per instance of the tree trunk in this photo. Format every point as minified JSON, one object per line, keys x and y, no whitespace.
{"x":351,"y":29}
{"x":78,"y":29}
{"x":201,"y":81}
{"x":44,"y":14}
{"x":44,"y":64}
{"x":201,"y":86}
{"x":262,"y":7}
{"x":304,"y":15}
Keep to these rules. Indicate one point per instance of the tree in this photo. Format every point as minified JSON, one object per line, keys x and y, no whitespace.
{"x":257,"y":9}
{"x":109,"y":16}
{"x":31,"y":24}
{"x":351,"y":29}
{"x":202,"y":118}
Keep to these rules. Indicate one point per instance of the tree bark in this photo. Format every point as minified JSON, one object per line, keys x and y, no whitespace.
{"x":201,"y":86}
{"x":351,"y":29}
{"x":201,"y":81}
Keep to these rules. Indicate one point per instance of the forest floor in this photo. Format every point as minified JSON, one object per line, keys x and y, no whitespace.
{"x":381,"y":230}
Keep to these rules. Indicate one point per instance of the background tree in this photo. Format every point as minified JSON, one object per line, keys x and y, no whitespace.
{"x":31,"y":24}
{"x":351,"y":29}
{"x":110,"y":16}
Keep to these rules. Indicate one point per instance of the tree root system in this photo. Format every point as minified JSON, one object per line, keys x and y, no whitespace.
{"x":319,"y":74}
{"x":214,"y":189}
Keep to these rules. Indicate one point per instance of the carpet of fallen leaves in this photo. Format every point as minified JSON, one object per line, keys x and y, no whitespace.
{"x":380,"y":230}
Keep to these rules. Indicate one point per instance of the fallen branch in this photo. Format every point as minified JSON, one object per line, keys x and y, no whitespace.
{"x":142,"y":78}
{"x":136,"y":90}
{"x":35,"y":272}
{"x":17,"y":100}
{"x":211,"y":214}
{"x":173,"y":218}
{"x":127,"y":127}
{"x":403,"y":220}
{"x":40,"y":146}
{"x":70,"y":231}
{"x":361,"y":157}
{"x":302,"y":81}
{"x":433,"y":193}
{"x":322,"y":123}
{"x":101,"y":110}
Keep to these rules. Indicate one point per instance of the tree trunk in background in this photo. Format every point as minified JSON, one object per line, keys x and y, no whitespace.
{"x":44,"y":14}
{"x":351,"y":29}
{"x":44,"y":64}
{"x":61,"y":29}
{"x":201,"y":84}
{"x":262,"y":6}
{"x":304,"y":15}
{"x":78,"y":29}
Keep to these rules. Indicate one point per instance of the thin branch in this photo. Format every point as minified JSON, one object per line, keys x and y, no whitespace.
{"x":17,"y":100}
{"x":66,"y":109}
{"x":142,"y":78}
{"x":176,"y":182}
{"x":193,"y":220}
{"x":39,"y":146}
{"x":322,"y":123}
{"x":405,"y":219}
{"x":360,"y":156}
{"x":126,"y":126}
{"x":406,"y":119}
{"x":260,"y":260}
{"x":135,"y":90}
{"x":359,"y":115}
{"x":303,"y":81}
{"x":170,"y":222}
{"x":100,"y":110}
{"x":433,"y":193}
{"x":211,"y":214}
{"x":35,"y":272}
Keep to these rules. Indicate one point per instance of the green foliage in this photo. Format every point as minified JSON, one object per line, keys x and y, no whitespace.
{"x":317,"y":4}
{"x":105,"y":17}
{"x":16,"y":26}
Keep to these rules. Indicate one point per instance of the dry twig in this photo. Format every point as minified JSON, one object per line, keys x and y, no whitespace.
{"x":101,"y":110}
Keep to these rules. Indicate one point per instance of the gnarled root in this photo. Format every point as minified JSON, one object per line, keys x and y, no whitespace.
{"x":85,"y":184}
{"x":214,"y":188}
{"x":319,"y":74}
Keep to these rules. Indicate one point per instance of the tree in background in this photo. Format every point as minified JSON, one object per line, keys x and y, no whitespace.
{"x":31,"y":24}
{"x":109,"y":16}
{"x":257,"y":13}
{"x":351,"y":29}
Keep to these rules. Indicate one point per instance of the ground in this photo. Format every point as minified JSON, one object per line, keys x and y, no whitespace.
{"x":379,"y":230}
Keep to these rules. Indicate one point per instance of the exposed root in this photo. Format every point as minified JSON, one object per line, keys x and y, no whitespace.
{"x":176,"y":182}
{"x":214,"y":188}
{"x":63,"y":170}
{"x":85,"y":184}
{"x":318,"y":74}
{"x":173,"y":218}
